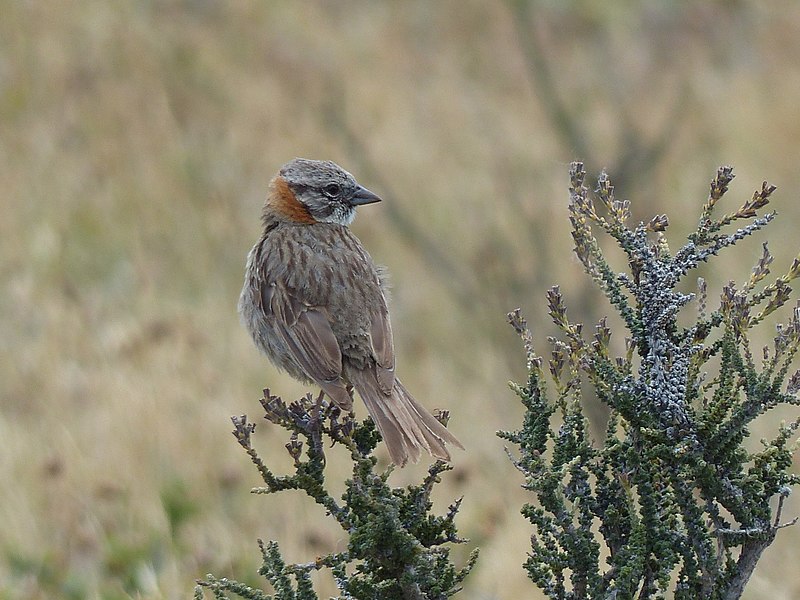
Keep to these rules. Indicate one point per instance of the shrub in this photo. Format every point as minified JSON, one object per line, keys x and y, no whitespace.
{"x":672,"y":497}
{"x":397,"y":548}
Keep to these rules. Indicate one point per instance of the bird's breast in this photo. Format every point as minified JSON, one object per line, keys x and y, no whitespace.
{"x":325,"y":265}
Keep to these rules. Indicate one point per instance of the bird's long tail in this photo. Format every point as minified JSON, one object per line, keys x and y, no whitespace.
{"x":405,"y":425}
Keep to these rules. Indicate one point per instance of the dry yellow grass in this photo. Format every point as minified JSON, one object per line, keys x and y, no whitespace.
{"x":136,"y":141}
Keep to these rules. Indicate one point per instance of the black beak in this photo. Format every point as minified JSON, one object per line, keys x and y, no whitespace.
{"x":364,"y":196}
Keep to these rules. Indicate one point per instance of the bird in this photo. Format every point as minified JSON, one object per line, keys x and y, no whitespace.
{"x":315,"y":304}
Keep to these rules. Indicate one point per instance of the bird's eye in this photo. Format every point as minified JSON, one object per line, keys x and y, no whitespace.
{"x":332,"y":190}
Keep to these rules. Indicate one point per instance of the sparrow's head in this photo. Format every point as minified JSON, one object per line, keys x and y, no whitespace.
{"x":316,"y":191}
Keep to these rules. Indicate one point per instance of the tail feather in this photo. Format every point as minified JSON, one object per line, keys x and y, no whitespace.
{"x":405,"y":425}
{"x":337,"y":392}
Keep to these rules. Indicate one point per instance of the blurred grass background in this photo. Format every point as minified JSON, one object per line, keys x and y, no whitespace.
{"x":136,"y":143}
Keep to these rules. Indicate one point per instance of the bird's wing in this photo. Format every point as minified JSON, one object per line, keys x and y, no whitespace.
{"x":382,"y":347}
{"x":306,"y":332}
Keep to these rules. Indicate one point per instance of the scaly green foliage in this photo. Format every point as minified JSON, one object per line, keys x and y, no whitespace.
{"x":672,"y":497}
{"x":397,"y":549}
